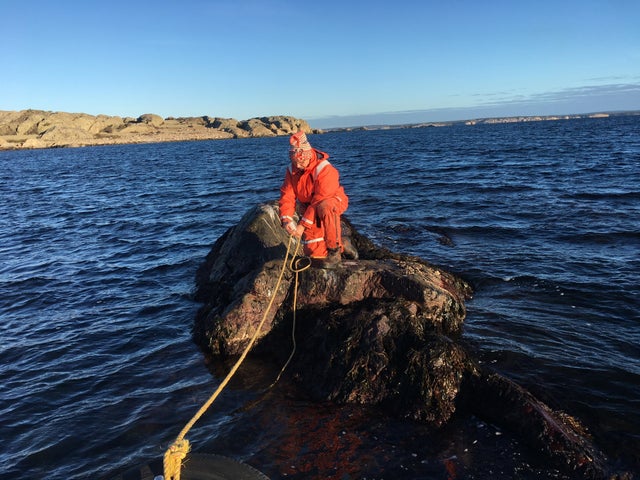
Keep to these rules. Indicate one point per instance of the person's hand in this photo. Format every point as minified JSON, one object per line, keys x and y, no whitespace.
{"x":290,"y":227}
{"x":299,"y":231}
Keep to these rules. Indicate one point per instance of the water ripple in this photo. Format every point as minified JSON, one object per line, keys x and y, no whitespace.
{"x":100,"y":246}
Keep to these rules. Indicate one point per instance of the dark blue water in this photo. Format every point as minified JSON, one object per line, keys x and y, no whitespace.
{"x":99,"y":248}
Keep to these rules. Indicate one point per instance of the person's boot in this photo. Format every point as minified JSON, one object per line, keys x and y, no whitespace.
{"x":333,"y":258}
{"x":348,"y":249}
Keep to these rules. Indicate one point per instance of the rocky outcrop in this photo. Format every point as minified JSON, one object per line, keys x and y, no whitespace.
{"x":151,"y":119}
{"x":383,"y":330}
{"x":42,"y":129}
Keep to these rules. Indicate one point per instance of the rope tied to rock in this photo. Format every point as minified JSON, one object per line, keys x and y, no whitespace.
{"x":178,"y":450}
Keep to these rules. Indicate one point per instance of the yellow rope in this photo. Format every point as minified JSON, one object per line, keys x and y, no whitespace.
{"x":297,"y":269}
{"x":178,"y":450}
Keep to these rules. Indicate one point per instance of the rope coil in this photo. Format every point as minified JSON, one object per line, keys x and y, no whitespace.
{"x":178,"y":450}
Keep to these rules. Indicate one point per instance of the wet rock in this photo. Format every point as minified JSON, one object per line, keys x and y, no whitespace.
{"x":383,"y":330}
{"x":557,"y":435}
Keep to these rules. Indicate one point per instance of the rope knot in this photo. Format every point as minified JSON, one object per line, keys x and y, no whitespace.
{"x":173,"y":459}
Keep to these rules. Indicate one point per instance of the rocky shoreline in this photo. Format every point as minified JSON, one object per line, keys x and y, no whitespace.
{"x":30,"y":129}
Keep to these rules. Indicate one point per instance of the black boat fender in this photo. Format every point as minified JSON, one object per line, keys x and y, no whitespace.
{"x":198,"y":466}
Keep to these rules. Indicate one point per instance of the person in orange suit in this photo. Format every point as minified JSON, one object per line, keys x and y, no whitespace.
{"x":311,"y":191}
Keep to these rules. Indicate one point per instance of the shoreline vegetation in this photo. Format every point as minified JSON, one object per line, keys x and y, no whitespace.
{"x":35,"y":129}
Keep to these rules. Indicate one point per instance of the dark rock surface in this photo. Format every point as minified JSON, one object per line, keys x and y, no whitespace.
{"x":383,"y":330}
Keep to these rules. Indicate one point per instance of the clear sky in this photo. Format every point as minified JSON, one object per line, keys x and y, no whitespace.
{"x":333,"y":63}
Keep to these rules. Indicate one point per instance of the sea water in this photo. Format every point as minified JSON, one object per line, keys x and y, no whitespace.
{"x":98,"y":252}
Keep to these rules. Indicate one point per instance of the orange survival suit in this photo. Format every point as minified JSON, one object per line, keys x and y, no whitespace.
{"x":316,"y":195}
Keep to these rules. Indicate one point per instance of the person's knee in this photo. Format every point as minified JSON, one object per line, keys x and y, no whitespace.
{"x":321,"y":208}
{"x":326,"y":207}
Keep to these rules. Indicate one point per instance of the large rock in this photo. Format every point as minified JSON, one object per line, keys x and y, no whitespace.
{"x":26,"y":122}
{"x":382,"y":330}
{"x":62,"y":136}
{"x":35,"y":143}
{"x":257,"y":128}
{"x":151,"y":119}
{"x":283,"y":125}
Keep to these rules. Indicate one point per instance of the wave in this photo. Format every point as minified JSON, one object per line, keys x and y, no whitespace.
{"x":604,"y":195}
{"x":604,"y":238}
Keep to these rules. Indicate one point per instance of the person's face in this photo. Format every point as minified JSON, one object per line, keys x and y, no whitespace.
{"x":300,"y":158}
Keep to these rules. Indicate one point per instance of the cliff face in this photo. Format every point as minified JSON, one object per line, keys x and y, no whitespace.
{"x":43,"y":129}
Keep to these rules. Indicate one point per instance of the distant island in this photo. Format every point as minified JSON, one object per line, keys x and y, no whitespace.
{"x":29,"y":129}
{"x":489,"y":120}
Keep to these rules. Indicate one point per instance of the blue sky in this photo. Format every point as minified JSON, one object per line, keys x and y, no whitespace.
{"x":333,"y":63}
